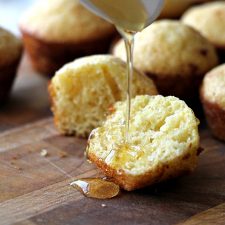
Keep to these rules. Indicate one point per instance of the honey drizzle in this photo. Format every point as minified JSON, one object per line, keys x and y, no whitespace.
{"x":96,"y":188}
{"x":129,"y":43}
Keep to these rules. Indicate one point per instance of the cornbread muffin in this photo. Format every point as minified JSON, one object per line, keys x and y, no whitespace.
{"x":213,"y":100}
{"x":209,"y":20}
{"x":58,"y":31}
{"x":174,"y":55}
{"x":163,"y":142}
{"x":10,"y":54}
{"x":82,"y":92}
{"x":175,"y":8}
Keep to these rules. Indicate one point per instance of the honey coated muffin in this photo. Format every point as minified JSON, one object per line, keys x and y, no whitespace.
{"x":82,"y":91}
{"x":10,"y":54}
{"x":163,"y":142}
{"x":174,"y":55}
{"x":58,"y":31}
{"x":213,"y":100}
{"x":209,"y":20}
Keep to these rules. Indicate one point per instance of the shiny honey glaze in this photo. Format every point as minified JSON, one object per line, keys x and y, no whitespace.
{"x":96,"y":188}
{"x":124,"y":154}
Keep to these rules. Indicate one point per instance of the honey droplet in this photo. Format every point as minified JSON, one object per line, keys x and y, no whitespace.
{"x":96,"y":188}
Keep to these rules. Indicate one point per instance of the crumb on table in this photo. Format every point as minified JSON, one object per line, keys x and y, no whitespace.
{"x":44,"y":153}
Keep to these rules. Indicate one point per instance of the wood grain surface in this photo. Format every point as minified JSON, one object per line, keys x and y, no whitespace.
{"x":215,"y":215}
{"x":32,"y":191}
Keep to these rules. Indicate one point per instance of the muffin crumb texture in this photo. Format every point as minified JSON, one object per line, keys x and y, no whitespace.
{"x":163,"y":142}
{"x":82,"y":92}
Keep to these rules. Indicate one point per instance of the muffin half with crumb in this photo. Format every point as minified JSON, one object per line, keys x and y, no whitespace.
{"x":174,"y":55}
{"x":163,"y":142}
{"x":10,"y":55}
{"x":213,"y":100}
{"x":56,"y":32}
{"x":83,"y":90}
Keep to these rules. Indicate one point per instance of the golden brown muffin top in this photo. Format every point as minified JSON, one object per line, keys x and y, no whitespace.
{"x":171,"y":48}
{"x":10,"y":47}
{"x":209,"y":20}
{"x":213,"y":88}
{"x":63,"y":21}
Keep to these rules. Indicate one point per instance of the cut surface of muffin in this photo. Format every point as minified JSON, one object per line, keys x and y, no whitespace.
{"x":174,"y":55}
{"x":163,"y":142}
{"x":82,"y":91}
{"x":213,"y":99}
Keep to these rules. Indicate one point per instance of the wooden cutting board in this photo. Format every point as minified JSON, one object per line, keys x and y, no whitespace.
{"x":33,"y":191}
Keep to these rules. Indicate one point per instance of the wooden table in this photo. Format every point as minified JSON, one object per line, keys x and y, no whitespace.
{"x":33,"y":191}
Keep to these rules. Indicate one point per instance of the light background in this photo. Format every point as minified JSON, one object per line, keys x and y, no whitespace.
{"x":11,"y":11}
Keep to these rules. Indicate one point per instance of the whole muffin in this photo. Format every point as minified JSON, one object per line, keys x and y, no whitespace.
{"x":82,"y":92}
{"x":58,"y":31}
{"x":174,"y":55}
{"x":10,"y":54}
{"x":209,"y":20}
{"x":213,"y":100}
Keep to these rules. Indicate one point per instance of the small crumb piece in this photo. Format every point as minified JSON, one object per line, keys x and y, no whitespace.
{"x":44,"y":153}
{"x":103,"y":205}
{"x":63,"y":154}
{"x":15,"y":157}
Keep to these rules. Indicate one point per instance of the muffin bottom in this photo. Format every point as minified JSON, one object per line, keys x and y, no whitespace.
{"x":48,"y":57}
{"x":221,"y":54}
{"x":179,"y":86}
{"x":215,"y":117}
{"x":7,"y":76}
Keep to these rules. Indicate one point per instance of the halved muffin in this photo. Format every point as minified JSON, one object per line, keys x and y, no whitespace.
{"x":83,"y":90}
{"x":163,"y":142}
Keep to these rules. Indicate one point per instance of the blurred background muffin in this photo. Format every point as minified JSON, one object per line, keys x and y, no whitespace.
{"x":174,"y":55}
{"x":10,"y":54}
{"x":82,"y":92}
{"x":213,"y":100}
{"x":175,"y":8}
{"x":209,"y":20}
{"x":58,"y":31}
